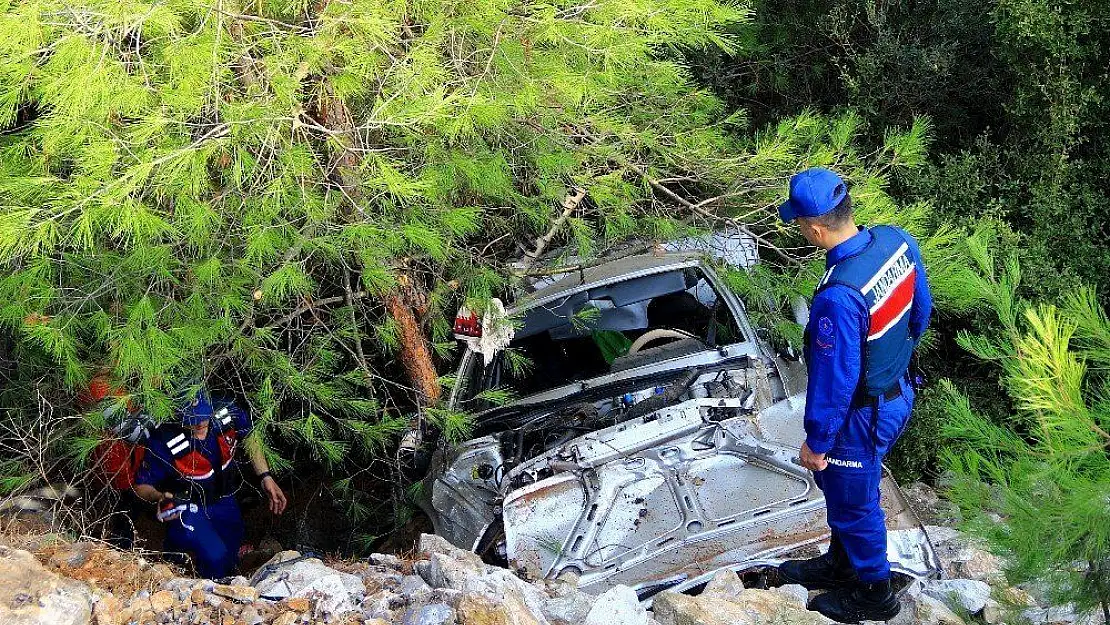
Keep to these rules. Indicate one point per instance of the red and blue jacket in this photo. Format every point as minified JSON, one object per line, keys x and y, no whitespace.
{"x":198,"y":470}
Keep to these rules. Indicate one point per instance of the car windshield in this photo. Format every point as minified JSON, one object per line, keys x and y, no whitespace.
{"x":605,"y":329}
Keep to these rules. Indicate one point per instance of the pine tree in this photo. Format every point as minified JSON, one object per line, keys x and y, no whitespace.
{"x":1045,"y":470}
{"x":290,"y":198}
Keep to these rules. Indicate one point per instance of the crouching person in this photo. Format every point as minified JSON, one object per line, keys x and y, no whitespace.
{"x":190,"y":472}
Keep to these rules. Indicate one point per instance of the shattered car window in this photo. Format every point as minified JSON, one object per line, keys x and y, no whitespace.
{"x":603,"y":330}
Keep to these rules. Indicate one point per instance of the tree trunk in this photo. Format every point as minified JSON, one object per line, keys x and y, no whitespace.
{"x":416,"y":353}
{"x":404,"y":302}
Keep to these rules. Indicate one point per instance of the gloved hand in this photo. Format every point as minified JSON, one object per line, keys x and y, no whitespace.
{"x":169,"y":509}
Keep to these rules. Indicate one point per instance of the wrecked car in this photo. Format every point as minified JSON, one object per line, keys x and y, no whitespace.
{"x":638,"y":430}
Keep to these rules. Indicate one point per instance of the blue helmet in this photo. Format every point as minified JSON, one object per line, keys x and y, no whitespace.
{"x":194,"y":409}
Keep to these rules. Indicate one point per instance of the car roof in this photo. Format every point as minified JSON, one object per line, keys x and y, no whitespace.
{"x":606,"y":273}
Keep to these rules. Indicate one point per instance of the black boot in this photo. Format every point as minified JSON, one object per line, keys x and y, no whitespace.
{"x":830,"y":570}
{"x":863,"y":602}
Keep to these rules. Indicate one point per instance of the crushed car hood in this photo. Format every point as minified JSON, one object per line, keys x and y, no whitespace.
{"x":661,"y":500}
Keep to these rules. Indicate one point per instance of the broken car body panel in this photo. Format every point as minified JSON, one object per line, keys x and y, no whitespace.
{"x":659,"y":465}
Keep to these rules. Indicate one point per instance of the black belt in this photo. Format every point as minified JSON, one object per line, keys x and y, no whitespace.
{"x":888,"y":395}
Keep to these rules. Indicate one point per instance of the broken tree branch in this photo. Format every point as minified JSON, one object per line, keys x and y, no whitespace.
{"x":570,"y":203}
{"x":699,"y":208}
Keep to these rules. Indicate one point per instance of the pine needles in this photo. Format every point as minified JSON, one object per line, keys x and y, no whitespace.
{"x":231,"y":190}
{"x":1046,"y":469}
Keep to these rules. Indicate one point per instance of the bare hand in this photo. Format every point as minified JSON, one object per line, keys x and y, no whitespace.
{"x":275,"y":494}
{"x":812,"y":461}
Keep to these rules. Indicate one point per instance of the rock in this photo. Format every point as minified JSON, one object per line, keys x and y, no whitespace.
{"x":286,"y":618}
{"x":961,"y":558}
{"x":299,"y":604}
{"x":162,"y":601}
{"x":940,"y":534}
{"x":197,"y":596}
{"x":32,"y":595}
{"x":1058,"y":615}
{"x":434,"y":614}
{"x":930,"y":507}
{"x":333,"y":591}
{"x":376,"y":577}
{"x":387,"y":560}
{"x":250,"y":616}
{"x":161,"y":572}
{"x":382,"y":604}
{"x":272,"y":565}
{"x":930,"y":611}
{"x":467,"y":574}
{"x":725,"y":584}
{"x":568,"y":608}
{"x":749,"y":607}
{"x":106,"y":610}
{"x":431,"y":544}
{"x":795,"y":592}
{"x":994,"y":613}
{"x":71,"y":556}
{"x":445,"y":595}
{"x":414,"y":589}
{"x":977,"y":564}
{"x":186,"y":583}
{"x":238,"y":594}
{"x":476,"y":609}
{"x":968,"y":594}
{"x":618,"y":606}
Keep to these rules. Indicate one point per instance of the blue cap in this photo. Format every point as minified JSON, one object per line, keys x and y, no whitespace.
{"x":813,"y":192}
{"x":196,"y":409}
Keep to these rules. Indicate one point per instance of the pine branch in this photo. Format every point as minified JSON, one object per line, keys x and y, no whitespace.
{"x":570,"y":204}
{"x":699,"y":208}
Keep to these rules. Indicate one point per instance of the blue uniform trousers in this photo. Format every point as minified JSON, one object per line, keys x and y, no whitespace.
{"x":211,"y":536}
{"x":851,"y":481}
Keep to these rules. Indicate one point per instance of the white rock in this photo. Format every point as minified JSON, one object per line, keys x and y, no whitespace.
{"x":796,"y":592}
{"x":968,"y":594}
{"x":250,"y":616}
{"x":430,"y":544}
{"x":994,"y":613}
{"x":617,"y":606}
{"x":930,"y":611}
{"x":940,"y":534}
{"x":1055,"y":615}
{"x":977,"y":564}
{"x":434,"y":614}
{"x":471,"y":575}
{"x":31,"y":595}
{"x":333,"y":596}
{"x":382,"y":604}
{"x":568,"y":608}
{"x":725,"y":584}
{"x":750,"y":607}
{"x":387,"y":560}
{"x":476,"y":608}
{"x":333,"y":591}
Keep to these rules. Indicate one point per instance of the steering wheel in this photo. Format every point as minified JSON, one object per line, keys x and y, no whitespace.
{"x":654,"y":335}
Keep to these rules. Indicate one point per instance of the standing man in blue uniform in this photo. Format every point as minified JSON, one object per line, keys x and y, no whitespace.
{"x":190,"y":472}
{"x":870,"y":310}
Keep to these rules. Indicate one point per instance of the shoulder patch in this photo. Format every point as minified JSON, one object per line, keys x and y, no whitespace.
{"x":825,"y":339}
{"x":824,"y":325}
